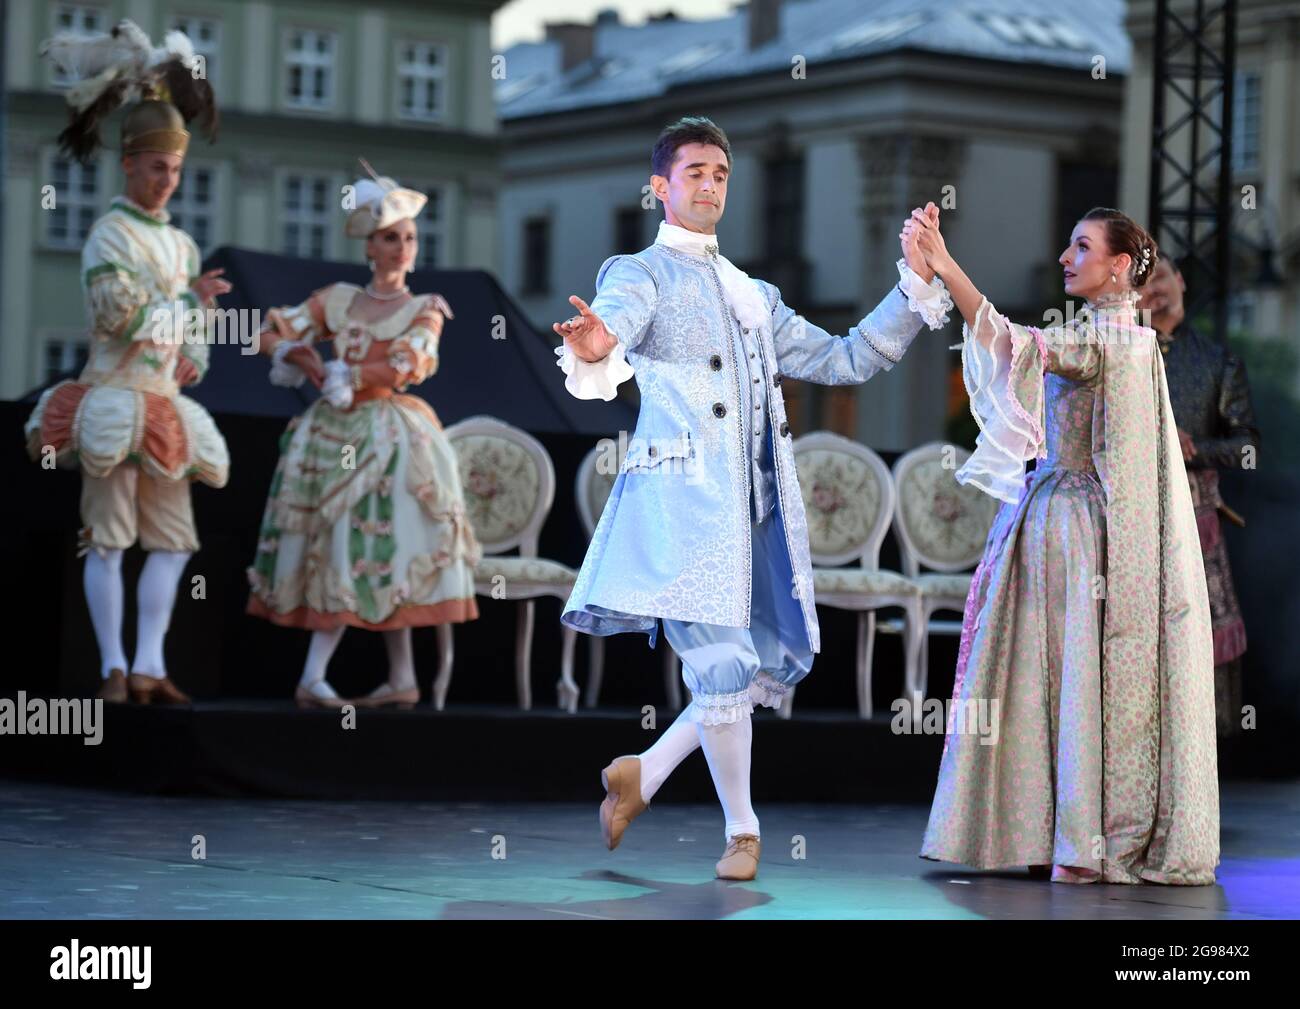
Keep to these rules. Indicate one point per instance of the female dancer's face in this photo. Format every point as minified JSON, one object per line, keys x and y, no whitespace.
{"x":1088,"y":263}
{"x":394,"y":249}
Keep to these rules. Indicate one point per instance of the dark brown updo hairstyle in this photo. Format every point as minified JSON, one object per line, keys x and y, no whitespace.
{"x":1123,"y":234}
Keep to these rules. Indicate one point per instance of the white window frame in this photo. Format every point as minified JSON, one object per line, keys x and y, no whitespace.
{"x":183,"y":211}
{"x":70,"y":198}
{"x":437,"y":228}
{"x":1241,"y":163}
{"x":329,"y":219}
{"x":420,"y":72}
{"x":210,"y":50}
{"x":69,"y":342}
{"x":103,"y":24}
{"x":309,"y":60}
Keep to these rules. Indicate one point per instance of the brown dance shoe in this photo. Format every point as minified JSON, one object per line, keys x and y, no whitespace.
{"x":622,"y":805}
{"x":113,"y":690}
{"x":152,"y":690}
{"x":740,"y":860}
{"x":319,"y":695}
{"x":384,"y":695}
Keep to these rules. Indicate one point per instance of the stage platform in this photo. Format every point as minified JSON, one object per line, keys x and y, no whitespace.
{"x":78,"y":853}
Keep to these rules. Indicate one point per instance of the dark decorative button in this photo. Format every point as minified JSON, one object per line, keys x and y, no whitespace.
{"x":715,"y":362}
{"x":719,"y":410}
{"x":776,"y":379}
{"x":785,"y":429}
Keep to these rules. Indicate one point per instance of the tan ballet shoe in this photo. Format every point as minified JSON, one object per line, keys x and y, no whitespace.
{"x":622,"y":805}
{"x":740,"y":860}
{"x":113,"y":690}
{"x":319,"y":695}
{"x":384,"y":696}
{"x":152,"y":690}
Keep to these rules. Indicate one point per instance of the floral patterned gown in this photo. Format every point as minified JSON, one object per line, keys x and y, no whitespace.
{"x":365,"y":525}
{"x":1087,"y":628}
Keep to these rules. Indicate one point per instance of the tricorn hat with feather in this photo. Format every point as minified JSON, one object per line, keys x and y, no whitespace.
{"x":166,"y":83}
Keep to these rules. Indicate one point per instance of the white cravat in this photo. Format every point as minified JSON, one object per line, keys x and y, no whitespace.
{"x":743,"y":296}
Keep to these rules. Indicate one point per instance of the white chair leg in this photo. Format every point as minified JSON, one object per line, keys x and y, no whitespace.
{"x":446,"y":648}
{"x":567,"y":689}
{"x":923,"y":652}
{"x":672,"y":677}
{"x":913,"y":629}
{"x":595,"y":668}
{"x":866,"y":656}
{"x":524,"y":655}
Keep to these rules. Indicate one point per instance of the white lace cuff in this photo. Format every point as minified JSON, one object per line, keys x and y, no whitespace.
{"x":593,"y":379}
{"x":337,"y":387}
{"x":282,"y":372}
{"x":931,"y":301}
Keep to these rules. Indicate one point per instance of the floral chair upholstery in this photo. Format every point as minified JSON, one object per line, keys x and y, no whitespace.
{"x":848,"y":496}
{"x":596,"y":476}
{"x":941,"y":525}
{"x":509,"y":485}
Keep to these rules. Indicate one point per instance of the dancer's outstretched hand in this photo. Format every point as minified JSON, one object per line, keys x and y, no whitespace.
{"x":585,"y":334}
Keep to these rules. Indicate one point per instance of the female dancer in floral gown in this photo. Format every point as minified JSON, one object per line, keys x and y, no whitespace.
{"x":1087,"y":626}
{"x":365,"y":525}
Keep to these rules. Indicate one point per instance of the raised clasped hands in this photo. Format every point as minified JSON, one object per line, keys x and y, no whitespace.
{"x":922,"y":237}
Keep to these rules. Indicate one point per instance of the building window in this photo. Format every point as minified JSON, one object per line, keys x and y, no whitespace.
{"x":784,"y":200}
{"x":205,"y":36}
{"x":305,"y":214}
{"x":1245,"y":121}
{"x":79,"y":19}
{"x":431,"y":226}
{"x":63,"y":356}
{"x":309,"y":65}
{"x":629,"y":230}
{"x":75,"y":205}
{"x":537,"y":256}
{"x":421,"y":81}
{"x":193,"y":206}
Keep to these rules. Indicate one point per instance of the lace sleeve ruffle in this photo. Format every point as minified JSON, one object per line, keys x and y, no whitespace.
{"x":931,"y":301}
{"x":1002,"y":367}
{"x":593,"y":379}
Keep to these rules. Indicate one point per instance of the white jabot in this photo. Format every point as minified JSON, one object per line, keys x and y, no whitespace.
{"x":743,"y":295}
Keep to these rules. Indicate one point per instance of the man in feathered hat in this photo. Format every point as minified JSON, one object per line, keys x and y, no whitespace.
{"x":136,"y":439}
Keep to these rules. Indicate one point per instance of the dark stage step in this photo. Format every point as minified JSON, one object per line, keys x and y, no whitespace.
{"x":265,"y":748}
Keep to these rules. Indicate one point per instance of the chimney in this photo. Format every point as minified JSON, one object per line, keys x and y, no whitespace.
{"x":606,"y":17}
{"x":764,"y":22}
{"x":576,"y":43}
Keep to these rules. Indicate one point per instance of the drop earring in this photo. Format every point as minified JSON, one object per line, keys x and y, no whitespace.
{"x":1114,"y":279}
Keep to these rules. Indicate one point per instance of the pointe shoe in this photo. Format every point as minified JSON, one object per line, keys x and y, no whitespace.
{"x":113,"y":690}
{"x":319,"y":695}
{"x":385,"y":695}
{"x":622,"y":805}
{"x":740,"y":860}
{"x":155,"y":690}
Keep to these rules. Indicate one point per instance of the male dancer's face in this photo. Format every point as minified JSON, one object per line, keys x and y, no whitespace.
{"x":694,"y":193}
{"x":152,"y":177}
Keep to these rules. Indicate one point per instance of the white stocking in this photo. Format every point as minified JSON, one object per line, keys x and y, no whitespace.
{"x":677,"y":743}
{"x":319,"y":651}
{"x":102,"y":579}
{"x":154,"y":598}
{"x":727,"y":749}
{"x":401,"y":665}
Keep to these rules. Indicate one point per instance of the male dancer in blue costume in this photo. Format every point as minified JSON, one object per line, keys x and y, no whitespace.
{"x":704,"y":529}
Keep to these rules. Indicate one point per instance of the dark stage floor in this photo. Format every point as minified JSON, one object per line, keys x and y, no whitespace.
{"x":78,"y":853}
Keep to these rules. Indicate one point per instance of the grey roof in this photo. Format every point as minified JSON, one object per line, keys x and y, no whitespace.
{"x":632,"y":62}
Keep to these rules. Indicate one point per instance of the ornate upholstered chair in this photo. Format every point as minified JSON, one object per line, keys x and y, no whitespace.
{"x":941,"y":525}
{"x":509,"y":485}
{"x":848,"y":496}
